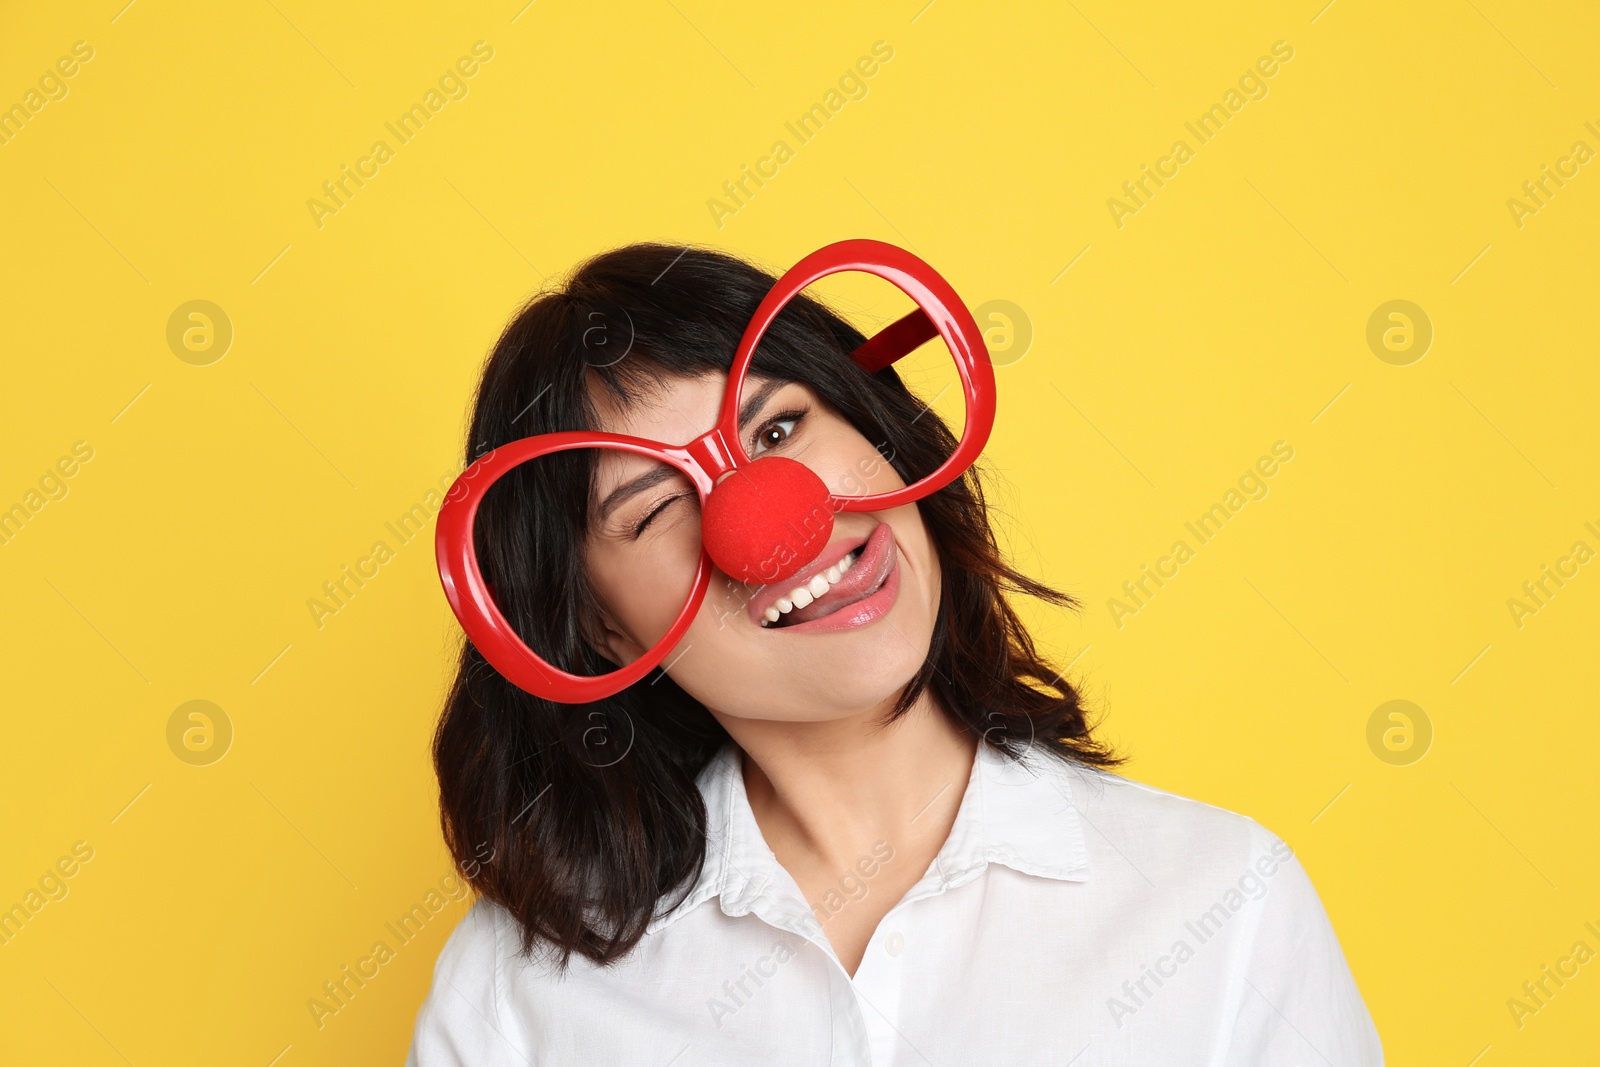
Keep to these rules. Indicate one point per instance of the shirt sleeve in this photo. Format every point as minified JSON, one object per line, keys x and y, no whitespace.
{"x":1297,"y":1000}
{"x":459,"y":1023}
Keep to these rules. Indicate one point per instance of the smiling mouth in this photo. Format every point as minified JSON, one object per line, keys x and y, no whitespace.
{"x":857,"y":575}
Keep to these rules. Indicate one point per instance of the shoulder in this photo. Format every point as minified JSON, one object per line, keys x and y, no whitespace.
{"x":1135,"y":808}
{"x":1167,"y":847}
{"x":460,"y":1020}
{"x":1171,"y":833}
{"x":1233,"y":893}
{"x":474,"y":945}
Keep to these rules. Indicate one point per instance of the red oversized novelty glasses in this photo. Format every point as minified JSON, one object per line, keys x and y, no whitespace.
{"x":762,"y":519}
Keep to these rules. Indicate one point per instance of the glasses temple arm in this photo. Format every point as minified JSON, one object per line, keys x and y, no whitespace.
{"x":898,"y":339}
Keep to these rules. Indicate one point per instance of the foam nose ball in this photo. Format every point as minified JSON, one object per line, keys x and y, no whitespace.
{"x":766,"y":520}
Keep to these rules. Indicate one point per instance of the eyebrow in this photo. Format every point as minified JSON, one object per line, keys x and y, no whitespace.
{"x":660,"y":472}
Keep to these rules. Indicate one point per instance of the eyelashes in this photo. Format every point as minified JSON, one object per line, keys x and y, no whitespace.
{"x":795,"y":415}
{"x":658,"y":509}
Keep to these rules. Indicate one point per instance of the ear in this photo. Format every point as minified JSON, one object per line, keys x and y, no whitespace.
{"x":607,"y":638}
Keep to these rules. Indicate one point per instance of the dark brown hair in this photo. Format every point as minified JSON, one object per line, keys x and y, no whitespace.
{"x":581,"y":819}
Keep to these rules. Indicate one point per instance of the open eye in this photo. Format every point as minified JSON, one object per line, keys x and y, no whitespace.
{"x":776,"y":431}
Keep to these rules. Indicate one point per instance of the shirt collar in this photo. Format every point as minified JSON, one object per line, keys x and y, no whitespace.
{"x":1019,"y":814}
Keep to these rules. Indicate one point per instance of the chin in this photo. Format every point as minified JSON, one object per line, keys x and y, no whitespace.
{"x":805,"y":693}
{"x":868,"y":679}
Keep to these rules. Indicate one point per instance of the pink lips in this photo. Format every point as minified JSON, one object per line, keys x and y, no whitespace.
{"x":866,"y":592}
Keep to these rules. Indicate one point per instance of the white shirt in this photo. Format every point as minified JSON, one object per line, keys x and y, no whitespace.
{"x":1072,"y":917}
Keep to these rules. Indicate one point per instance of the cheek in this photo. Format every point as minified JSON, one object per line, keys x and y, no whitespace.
{"x":857,"y":469}
{"x":929,"y":565}
{"x":646,"y":583}
{"x":723,"y":614}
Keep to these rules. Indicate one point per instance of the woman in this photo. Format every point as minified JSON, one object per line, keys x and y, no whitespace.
{"x":856,"y":818}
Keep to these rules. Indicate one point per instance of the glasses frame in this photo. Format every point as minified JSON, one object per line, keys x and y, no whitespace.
{"x":705,"y":459}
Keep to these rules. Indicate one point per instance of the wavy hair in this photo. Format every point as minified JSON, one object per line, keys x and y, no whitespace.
{"x":583,"y":845}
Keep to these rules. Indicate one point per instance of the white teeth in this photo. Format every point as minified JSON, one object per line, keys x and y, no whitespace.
{"x":819,"y":584}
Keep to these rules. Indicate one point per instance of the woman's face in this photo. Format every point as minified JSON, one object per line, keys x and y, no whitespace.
{"x":845,"y":661}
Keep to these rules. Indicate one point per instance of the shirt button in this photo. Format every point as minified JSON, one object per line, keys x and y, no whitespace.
{"x":894,"y":943}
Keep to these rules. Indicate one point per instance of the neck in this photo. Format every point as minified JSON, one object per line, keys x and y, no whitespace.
{"x":828,"y":792}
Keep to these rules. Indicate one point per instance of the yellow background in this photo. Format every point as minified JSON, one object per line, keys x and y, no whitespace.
{"x":1229,"y":313}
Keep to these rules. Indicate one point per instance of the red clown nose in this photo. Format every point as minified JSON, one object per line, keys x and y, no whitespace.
{"x":766,"y":520}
